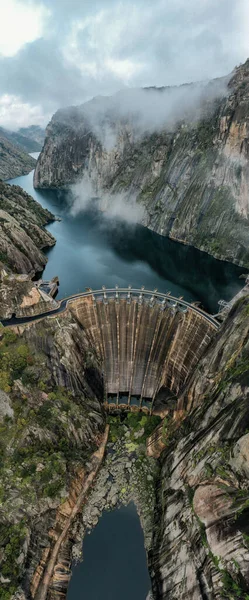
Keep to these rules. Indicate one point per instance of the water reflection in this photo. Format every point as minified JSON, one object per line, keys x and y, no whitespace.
{"x":92,"y":251}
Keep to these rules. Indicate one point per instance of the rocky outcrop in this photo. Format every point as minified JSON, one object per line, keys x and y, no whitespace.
{"x":22,"y":233}
{"x":14,"y":161}
{"x":190,"y":175}
{"x":67,"y":513}
{"x":200,"y":548}
{"x":51,"y":422}
{"x":21,"y":296}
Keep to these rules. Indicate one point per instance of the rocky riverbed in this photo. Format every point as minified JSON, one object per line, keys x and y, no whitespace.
{"x":128,"y":475}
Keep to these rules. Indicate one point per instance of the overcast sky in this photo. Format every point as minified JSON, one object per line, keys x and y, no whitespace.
{"x":55,"y":53}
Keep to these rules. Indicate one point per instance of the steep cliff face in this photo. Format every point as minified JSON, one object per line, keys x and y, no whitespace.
{"x":200,"y":548}
{"x":191,"y":174}
{"x":22,"y":235}
{"x":51,"y":421}
{"x":14,"y":161}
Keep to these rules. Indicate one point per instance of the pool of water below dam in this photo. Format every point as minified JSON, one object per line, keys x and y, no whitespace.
{"x":114,"y":565}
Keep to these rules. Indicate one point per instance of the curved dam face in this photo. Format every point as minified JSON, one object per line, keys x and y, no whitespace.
{"x":147,"y":344}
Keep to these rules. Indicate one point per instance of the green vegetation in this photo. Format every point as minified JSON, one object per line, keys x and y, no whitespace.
{"x":136,"y":423}
{"x":215,"y":559}
{"x":15,"y":356}
{"x":233,"y":587}
{"x":237,"y":370}
{"x":241,"y":502}
{"x":4,"y":258}
{"x":205,"y":132}
{"x":12,"y":537}
{"x":116,"y":428}
{"x":246,"y":539}
{"x":220,"y":452}
{"x":191,"y":493}
{"x":165,"y":429}
{"x":41,"y":444}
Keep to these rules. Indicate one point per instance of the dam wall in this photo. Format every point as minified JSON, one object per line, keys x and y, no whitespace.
{"x":146,"y":344}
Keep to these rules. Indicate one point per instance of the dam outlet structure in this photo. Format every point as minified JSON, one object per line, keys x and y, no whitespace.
{"x":149,"y":342}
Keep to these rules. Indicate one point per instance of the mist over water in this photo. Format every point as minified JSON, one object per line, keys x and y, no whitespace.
{"x":119,"y":207}
{"x":92,"y":251}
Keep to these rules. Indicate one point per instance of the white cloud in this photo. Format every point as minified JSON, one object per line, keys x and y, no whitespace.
{"x":15,"y":114}
{"x":167,"y":43}
{"x":20,"y":23}
{"x":96,"y":48}
{"x":124,"y":69}
{"x":116,"y":207}
{"x":94,"y":43}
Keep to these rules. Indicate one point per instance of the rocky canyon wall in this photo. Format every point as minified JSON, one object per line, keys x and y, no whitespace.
{"x":189,"y":175}
{"x":22,"y":240}
{"x":22,"y":232}
{"x":51,"y":421}
{"x":200,"y":549}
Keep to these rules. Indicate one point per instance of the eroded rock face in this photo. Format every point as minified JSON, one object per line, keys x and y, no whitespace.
{"x":51,"y":421}
{"x":22,"y":233}
{"x":5,"y":406}
{"x":191,"y":178}
{"x":240,"y":455}
{"x":14,"y":161}
{"x":200,"y":547}
{"x":20,"y":296}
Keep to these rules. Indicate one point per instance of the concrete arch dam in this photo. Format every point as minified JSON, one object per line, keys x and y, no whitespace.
{"x":148,"y":343}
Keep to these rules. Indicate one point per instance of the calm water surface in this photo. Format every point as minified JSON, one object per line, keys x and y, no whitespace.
{"x":92,"y":251}
{"x":114,"y":565}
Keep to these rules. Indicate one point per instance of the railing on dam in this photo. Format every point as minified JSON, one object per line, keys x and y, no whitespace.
{"x":164,"y":300}
{"x":149,"y":342}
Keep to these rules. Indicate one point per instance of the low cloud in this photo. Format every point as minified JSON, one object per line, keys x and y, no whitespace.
{"x":150,"y":109}
{"x":119,"y":120}
{"x":115,"y":207}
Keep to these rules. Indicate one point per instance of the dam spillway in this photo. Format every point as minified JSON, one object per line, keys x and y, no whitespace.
{"x":147,"y":342}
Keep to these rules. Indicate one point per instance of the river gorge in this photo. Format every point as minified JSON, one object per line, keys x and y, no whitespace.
{"x":92,"y":250}
{"x":124,"y":300}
